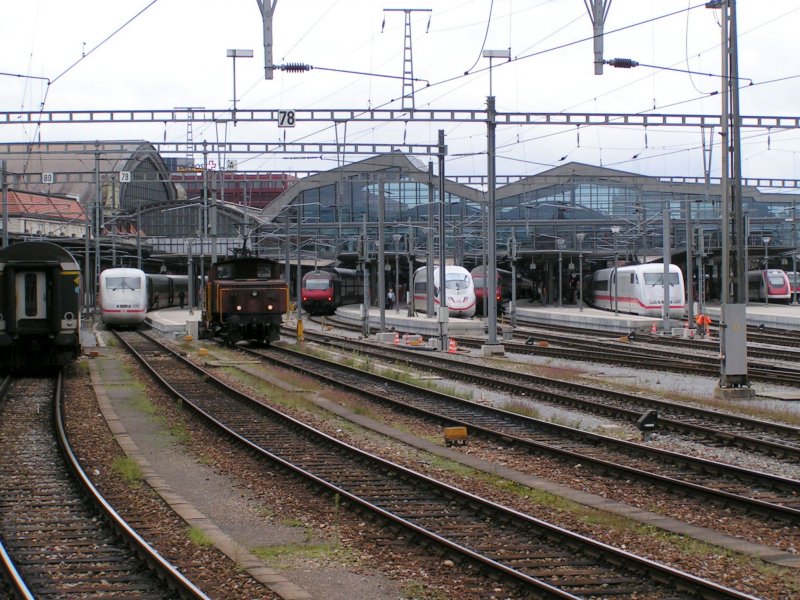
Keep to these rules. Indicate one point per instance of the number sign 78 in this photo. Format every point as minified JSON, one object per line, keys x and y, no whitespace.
{"x":286,"y":118}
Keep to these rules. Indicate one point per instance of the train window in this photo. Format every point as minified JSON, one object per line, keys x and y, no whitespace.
{"x":263,"y":270}
{"x":658,"y":278}
{"x":317,"y":284}
{"x":31,"y":306}
{"x":776,"y":279}
{"x":225,"y":271}
{"x":456,"y":282}
{"x":123,"y":283}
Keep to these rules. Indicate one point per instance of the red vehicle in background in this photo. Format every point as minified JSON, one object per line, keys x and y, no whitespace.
{"x":324,"y":290}
{"x":503,"y":288}
{"x":794,"y":284}
{"x":770,"y":285}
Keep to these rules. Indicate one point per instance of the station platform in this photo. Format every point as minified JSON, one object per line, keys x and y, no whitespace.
{"x":778,"y":316}
{"x":781,"y":316}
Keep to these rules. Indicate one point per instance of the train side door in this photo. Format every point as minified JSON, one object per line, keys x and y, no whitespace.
{"x":31,"y":291}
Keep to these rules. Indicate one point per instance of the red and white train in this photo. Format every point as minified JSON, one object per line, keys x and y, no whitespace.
{"x":326,"y":289}
{"x":459,"y":290}
{"x":771,"y":285}
{"x":503,"y":287}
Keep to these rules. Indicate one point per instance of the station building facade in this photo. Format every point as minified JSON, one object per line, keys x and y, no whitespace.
{"x":545,"y":223}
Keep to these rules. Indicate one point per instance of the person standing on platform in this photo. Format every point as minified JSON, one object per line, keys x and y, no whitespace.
{"x":390,"y":298}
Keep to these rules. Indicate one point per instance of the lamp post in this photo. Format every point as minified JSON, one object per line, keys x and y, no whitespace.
{"x":512,"y":251}
{"x":794,"y":255}
{"x":766,"y":239}
{"x":560,"y":244}
{"x":579,"y":237}
{"x":793,"y":280}
{"x":410,"y":291}
{"x":234,"y":54}
{"x":396,"y":238}
{"x":138,"y":233}
{"x":615,"y":230}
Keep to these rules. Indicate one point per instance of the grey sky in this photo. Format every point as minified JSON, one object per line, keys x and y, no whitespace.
{"x":174,"y":54}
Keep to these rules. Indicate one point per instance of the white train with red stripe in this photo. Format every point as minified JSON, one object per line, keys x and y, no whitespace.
{"x":772,"y":285}
{"x":638,"y":290}
{"x":123,"y":297}
{"x":459,"y":292}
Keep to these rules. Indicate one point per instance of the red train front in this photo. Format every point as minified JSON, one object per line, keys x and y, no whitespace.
{"x":482,"y":288}
{"x":324,"y":290}
{"x":246,"y":299}
{"x":318,"y":292}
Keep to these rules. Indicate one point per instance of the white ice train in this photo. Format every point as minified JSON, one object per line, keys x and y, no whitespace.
{"x":123,"y":297}
{"x":460,"y":290}
{"x":639,"y":290}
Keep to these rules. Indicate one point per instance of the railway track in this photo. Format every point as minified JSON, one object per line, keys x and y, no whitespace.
{"x":626,"y":354}
{"x":60,"y":538}
{"x":751,"y":491}
{"x":705,"y":426}
{"x":641,"y":357}
{"x":547,"y":561}
{"x":784,"y":348}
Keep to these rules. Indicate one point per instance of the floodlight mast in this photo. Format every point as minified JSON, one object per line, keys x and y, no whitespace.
{"x":492,"y":54}
{"x":235,"y":53}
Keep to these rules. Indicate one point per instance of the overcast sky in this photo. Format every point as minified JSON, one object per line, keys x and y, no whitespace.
{"x":162,"y":54}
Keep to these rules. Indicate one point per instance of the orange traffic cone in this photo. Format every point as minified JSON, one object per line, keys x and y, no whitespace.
{"x":653,"y":328}
{"x":452,"y":347}
{"x":396,"y":338}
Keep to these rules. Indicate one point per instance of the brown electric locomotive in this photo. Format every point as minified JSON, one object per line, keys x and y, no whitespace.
{"x":246,"y":298}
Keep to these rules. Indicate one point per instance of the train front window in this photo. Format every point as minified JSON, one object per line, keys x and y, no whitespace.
{"x":776,"y":280}
{"x":31,"y":305}
{"x":456,"y":282}
{"x":658,"y":279}
{"x":123,"y":283}
{"x":316,"y":284}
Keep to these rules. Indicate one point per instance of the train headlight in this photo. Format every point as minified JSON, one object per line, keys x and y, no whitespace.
{"x":238,"y":307}
{"x":270,"y":307}
{"x":254,"y":293}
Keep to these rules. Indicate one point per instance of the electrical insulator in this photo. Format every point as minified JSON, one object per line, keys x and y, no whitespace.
{"x":295,"y":67}
{"x":623,"y":63}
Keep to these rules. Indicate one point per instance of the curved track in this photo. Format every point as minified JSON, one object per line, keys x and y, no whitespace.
{"x":62,"y":538}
